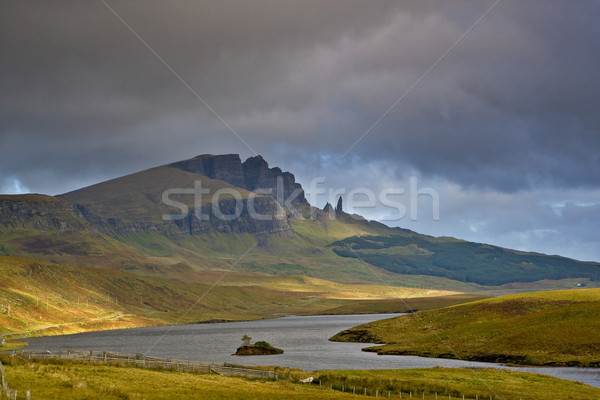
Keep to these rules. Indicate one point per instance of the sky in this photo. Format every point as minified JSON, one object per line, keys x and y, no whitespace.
{"x":493,"y":106}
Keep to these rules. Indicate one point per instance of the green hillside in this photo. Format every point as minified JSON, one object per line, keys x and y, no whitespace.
{"x":542,"y":328}
{"x":411,"y":253}
{"x":119,"y":224}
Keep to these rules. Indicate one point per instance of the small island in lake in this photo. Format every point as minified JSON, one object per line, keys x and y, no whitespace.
{"x":260,"y":348}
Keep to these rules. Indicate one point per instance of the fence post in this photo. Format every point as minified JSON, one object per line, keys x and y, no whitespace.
{"x":4,"y":384}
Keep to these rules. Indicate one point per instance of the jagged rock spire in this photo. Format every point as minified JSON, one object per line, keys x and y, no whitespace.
{"x":339,"y":205}
{"x":328,"y":208}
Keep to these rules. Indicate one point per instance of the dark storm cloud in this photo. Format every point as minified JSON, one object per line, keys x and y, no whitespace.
{"x":512,"y":109}
{"x":76,"y":84}
{"x":515,"y":103}
{"x":523,"y":109}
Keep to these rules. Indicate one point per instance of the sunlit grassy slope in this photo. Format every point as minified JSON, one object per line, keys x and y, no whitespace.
{"x":42,"y":294}
{"x":542,"y":328}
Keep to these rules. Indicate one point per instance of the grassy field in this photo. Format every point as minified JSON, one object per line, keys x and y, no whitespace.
{"x":541,"y":328}
{"x":66,"y":379}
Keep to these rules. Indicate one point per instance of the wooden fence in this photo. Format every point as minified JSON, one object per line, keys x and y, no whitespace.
{"x":139,"y":360}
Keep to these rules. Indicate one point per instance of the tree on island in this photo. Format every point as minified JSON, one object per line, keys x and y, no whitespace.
{"x":246,"y":340}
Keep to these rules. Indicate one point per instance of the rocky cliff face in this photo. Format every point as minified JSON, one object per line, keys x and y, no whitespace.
{"x":264,"y":217}
{"x":258,"y":177}
{"x":39,"y":212}
{"x":253,"y":174}
{"x":225,"y":167}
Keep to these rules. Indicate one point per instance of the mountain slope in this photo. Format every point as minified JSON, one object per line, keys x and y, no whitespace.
{"x":410,"y":253}
{"x":155,"y":223}
{"x":136,"y":203}
{"x":36,"y":294}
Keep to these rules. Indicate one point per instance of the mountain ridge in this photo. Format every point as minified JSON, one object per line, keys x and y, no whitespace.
{"x":253,"y":174}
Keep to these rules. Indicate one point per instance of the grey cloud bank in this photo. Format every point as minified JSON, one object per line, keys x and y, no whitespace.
{"x":506,"y":127}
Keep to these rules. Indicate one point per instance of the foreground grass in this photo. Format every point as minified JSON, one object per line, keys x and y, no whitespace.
{"x":68,"y":380}
{"x":472,"y":383}
{"x":542,"y":328}
{"x":51,"y":379}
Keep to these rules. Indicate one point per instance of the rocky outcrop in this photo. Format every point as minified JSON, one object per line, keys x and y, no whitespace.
{"x":260,"y":216}
{"x":259,"y":178}
{"x":253,"y":174}
{"x":224,"y":167}
{"x":39,"y":212}
{"x":257,"y":350}
{"x":339,"y":207}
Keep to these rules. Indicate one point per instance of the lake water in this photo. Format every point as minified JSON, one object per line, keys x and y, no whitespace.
{"x":304,"y":340}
